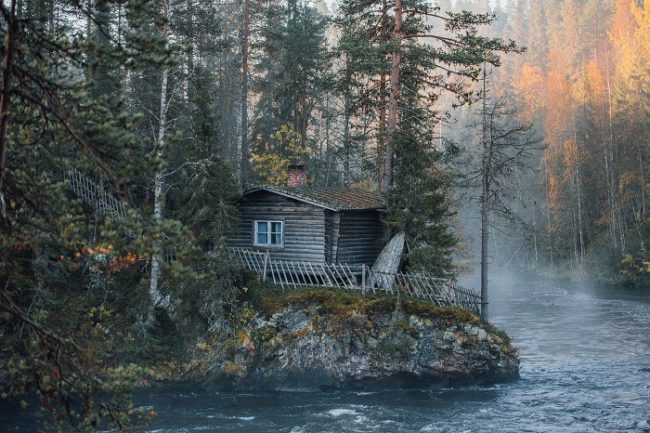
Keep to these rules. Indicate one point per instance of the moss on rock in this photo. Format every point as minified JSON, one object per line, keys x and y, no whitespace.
{"x":337,"y":339}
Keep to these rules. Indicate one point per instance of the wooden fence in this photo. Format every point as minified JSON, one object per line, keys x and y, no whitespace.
{"x":296,"y":274}
{"x":94,"y":194}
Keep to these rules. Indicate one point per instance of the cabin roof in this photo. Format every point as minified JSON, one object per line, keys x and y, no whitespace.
{"x":335,"y":199}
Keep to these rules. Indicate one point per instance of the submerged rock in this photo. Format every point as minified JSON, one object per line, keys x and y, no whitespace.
{"x":318,"y":341}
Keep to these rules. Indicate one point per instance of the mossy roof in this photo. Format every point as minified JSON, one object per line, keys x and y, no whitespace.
{"x":335,"y":199}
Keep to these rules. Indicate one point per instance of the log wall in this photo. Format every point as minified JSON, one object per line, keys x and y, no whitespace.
{"x":304,"y":226}
{"x":360,"y":237}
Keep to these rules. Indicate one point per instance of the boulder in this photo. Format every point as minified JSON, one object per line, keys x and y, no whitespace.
{"x":309,"y":344}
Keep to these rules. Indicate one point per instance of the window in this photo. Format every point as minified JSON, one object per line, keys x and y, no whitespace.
{"x":268,"y":233}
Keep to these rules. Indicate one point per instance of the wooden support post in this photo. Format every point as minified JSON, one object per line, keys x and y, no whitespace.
{"x":266,"y":261}
{"x":363,"y":279}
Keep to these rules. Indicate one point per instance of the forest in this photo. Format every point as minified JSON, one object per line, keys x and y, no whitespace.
{"x":129,"y":128}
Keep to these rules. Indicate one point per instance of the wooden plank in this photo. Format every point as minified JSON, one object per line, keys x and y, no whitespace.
{"x":292,"y":275}
{"x":283,"y":275}
{"x":312,"y":273}
{"x":273,"y":272}
{"x":349,"y":275}
{"x":325,"y":268}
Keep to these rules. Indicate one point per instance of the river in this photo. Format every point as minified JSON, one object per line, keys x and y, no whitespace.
{"x":585,"y":367}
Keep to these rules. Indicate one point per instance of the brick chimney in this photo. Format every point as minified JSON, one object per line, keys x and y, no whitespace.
{"x":297,"y":174}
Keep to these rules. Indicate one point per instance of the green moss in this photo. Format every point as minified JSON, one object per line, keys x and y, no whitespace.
{"x":230,"y":347}
{"x":502,"y":339}
{"x":342,"y":302}
{"x":266,"y":333}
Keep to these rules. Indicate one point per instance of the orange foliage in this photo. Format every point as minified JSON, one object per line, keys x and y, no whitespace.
{"x":530,"y":86}
{"x":560,"y":102}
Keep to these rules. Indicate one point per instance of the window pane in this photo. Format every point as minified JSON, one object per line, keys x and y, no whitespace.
{"x":276,"y":233}
{"x":262,"y":238}
{"x":262,"y":233}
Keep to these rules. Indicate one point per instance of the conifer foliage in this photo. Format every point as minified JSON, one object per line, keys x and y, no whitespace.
{"x":167,"y":110}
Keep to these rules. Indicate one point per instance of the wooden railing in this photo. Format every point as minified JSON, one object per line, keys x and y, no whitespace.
{"x":298,"y":274}
{"x":94,"y":194}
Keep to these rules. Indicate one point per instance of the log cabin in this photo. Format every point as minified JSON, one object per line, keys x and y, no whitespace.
{"x":300,"y":223}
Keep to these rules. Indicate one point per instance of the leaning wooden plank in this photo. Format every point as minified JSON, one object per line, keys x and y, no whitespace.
{"x":292,"y":274}
{"x":314,"y":273}
{"x":297,"y":274}
{"x":389,"y":258}
{"x":283,"y":276}
{"x":403,"y":285}
{"x":300,"y":275}
{"x":285,"y":273}
{"x":244,"y":258}
{"x":253,"y":259}
{"x":421,"y":289}
{"x":313,"y":278}
{"x":326,"y":273}
{"x":336,"y":277}
{"x":272,"y":268}
{"x":259,"y":262}
{"x":339,"y":278}
{"x":433,"y":290}
{"x":349,"y":275}
{"x":306,"y":274}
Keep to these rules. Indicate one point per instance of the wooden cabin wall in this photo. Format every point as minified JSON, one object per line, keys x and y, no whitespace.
{"x":304,"y":226}
{"x":332,"y":225}
{"x":360,"y":237}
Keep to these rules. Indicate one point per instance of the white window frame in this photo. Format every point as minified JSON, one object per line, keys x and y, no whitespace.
{"x":268,"y":225}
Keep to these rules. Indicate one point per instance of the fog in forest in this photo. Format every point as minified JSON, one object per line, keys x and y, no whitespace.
{"x":293,"y":215}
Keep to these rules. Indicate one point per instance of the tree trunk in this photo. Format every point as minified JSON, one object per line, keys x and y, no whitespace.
{"x":485,"y":198}
{"x":244,"y":168}
{"x":346,"y":129}
{"x":485,"y":227}
{"x":7,"y":72}
{"x":387,"y":180}
{"x":578,"y":199}
{"x":154,"y":291}
{"x":381,"y":135}
{"x":328,"y":156}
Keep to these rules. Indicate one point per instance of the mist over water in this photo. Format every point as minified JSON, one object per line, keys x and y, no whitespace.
{"x":585,"y":367}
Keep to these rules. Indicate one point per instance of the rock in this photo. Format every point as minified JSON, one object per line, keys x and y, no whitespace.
{"x":305,"y":345}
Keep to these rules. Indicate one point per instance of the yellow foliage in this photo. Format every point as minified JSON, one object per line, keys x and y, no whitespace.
{"x":203,"y":346}
{"x":271,"y":166}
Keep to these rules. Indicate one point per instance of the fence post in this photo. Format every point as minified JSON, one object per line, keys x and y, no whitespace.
{"x":266,"y":260}
{"x":363,"y":279}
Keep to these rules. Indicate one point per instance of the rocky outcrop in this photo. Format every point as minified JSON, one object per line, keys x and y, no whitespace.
{"x":309,"y":342}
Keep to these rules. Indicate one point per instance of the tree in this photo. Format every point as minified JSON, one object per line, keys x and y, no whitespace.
{"x":505,"y":144}
{"x":57,"y":115}
{"x":288,"y":83}
{"x":458,"y":50}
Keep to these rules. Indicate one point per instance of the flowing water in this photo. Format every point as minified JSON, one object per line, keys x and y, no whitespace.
{"x":585,"y":367}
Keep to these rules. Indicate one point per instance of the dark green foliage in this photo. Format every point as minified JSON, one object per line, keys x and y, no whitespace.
{"x":291,"y":71}
{"x":83,"y":99}
{"x":420,"y":206}
{"x":451,"y":58}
